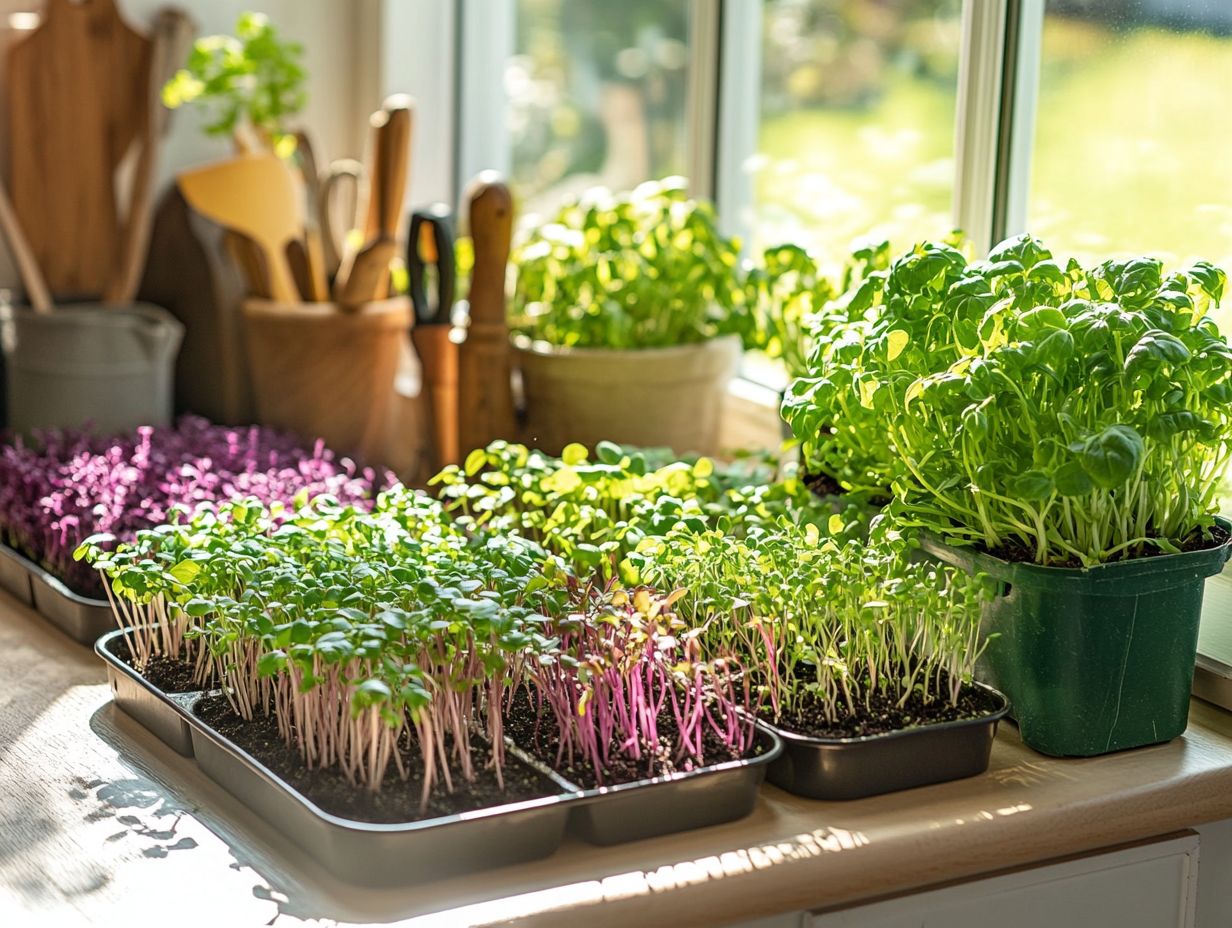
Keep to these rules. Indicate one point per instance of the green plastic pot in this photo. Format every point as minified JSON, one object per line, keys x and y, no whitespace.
{"x":1093,"y":660}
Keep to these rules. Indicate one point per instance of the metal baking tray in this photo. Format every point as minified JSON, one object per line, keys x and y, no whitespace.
{"x":664,"y":805}
{"x":371,"y":854}
{"x":15,"y":575}
{"x":82,"y":618}
{"x":853,"y":768}
{"x":395,"y":854}
{"x":166,"y":715}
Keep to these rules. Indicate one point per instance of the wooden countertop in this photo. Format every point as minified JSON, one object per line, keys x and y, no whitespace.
{"x":101,"y":824}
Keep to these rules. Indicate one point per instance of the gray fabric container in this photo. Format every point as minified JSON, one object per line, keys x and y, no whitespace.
{"x":85,"y":363}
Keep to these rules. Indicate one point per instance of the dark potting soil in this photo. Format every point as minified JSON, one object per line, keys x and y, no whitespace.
{"x":883,"y":716}
{"x":542,"y":742}
{"x":823,"y":485}
{"x":1016,"y":552}
{"x":398,"y":800}
{"x":171,"y":675}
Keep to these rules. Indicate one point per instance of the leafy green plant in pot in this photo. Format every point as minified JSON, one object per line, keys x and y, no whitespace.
{"x":863,"y":658}
{"x":1064,"y":430}
{"x":628,"y":316}
{"x":249,"y":85}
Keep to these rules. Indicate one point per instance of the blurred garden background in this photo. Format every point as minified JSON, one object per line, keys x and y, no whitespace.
{"x":857,"y":100}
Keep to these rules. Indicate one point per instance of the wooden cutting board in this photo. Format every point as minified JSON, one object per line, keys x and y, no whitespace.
{"x":77,"y":90}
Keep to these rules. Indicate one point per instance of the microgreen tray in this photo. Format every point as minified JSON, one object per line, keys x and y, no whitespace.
{"x":400,"y":853}
{"x":854,"y":768}
{"x":82,"y":618}
{"x":15,"y":575}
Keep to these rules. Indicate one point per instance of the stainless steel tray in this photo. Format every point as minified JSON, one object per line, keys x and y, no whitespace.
{"x":385,"y":854}
{"x":83,"y":619}
{"x":15,"y":575}
{"x":651,"y":808}
{"x":394,"y":854}
{"x":166,"y":715}
{"x":853,"y":768}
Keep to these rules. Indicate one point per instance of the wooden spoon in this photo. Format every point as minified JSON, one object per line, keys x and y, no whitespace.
{"x":368,"y":276}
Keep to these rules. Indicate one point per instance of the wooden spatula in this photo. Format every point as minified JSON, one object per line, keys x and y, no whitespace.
{"x":485,"y":394}
{"x":254,"y":195}
{"x":78,"y":97}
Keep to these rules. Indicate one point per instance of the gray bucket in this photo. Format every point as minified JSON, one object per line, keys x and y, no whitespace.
{"x":85,"y":363}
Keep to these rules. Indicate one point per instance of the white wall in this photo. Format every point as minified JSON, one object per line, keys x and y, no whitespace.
{"x":340,"y":94}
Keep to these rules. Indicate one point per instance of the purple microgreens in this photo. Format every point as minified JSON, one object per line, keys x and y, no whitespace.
{"x":69,"y":485}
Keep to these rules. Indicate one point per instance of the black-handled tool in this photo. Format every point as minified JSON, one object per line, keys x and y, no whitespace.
{"x":430,"y":242}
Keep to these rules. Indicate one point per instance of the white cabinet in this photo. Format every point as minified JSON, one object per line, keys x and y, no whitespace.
{"x":1151,"y":885}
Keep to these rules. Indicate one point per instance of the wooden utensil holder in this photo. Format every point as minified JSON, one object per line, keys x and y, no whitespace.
{"x":325,"y":371}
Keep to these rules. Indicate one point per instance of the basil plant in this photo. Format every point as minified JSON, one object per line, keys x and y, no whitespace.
{"x":1042,"y":410}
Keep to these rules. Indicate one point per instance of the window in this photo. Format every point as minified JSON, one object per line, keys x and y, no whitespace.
{"x":597,"y":94}
{"x":1133,"y":130}
{"x":857,"y":122}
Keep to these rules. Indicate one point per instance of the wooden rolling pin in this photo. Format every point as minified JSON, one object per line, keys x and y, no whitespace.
{"x":485,"y":394}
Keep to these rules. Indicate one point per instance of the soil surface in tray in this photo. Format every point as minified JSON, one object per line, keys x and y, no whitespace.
{"x":542,"y":742}
{"x":169,"y":674}
{"x":884,"y":716}
{"x":398,"y":799}
{"x":1021,"y":554}
{"x":824,"y":485}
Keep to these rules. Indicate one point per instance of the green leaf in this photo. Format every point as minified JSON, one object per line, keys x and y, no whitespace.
{"x":1032,"y":485}
{"x":271,"y":662}
{"x":1155,"y":349}
{"x":197,"y":607}
{"x":896,"y":341}
{"x":1112,"y":456}
{"x":1211,"y":279}
{"x":475,"y":462}
{"x":1071,"y":480}
{"x":1167,"y":424}
{"x":186,"y":571}
{"x":574,"y":454}
{"x":608,"y":452}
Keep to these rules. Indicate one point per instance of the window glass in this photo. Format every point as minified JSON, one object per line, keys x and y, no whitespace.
{"x":1133,"y":147}
{"x":597,"y":94}
{"x":857,"y":122}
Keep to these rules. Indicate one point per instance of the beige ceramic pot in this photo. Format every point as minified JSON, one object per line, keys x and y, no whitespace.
{"x":654,"y":397}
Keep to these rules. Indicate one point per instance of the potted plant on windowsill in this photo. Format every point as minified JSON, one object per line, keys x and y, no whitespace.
{"x":1064,"y":430}
{"x":627,"y":317}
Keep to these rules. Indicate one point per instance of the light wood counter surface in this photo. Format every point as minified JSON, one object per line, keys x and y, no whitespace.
{"x":101,"y":824}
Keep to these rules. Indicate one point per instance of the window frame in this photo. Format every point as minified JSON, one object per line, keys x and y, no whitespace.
{"x":994,"y":125}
